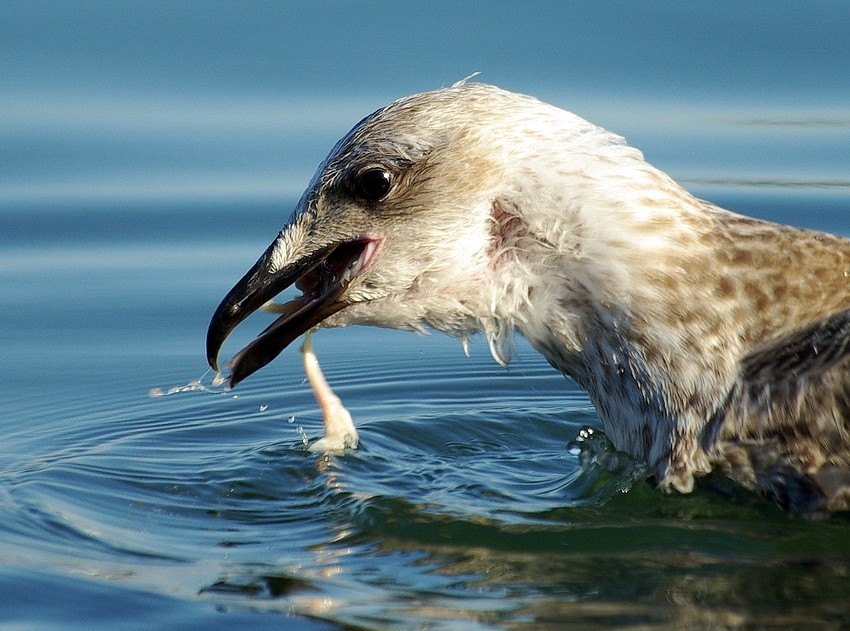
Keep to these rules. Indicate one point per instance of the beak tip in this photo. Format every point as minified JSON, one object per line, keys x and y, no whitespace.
{"x":212,"y":357}
{"x":236,"y":376}
{"x":216,"y":334}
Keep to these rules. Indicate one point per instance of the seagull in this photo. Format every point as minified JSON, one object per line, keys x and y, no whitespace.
{"x":708,"y":341}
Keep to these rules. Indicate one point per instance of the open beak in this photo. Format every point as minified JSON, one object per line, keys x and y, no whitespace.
{"x":323,"y":276}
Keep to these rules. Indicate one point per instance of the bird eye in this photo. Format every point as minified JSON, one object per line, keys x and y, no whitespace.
{"x":373,"y":184}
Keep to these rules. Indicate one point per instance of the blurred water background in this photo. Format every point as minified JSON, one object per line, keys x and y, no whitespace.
{"x":149,"y":151}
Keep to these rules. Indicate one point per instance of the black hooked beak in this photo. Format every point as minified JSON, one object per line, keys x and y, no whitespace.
{"x":323,"y":276}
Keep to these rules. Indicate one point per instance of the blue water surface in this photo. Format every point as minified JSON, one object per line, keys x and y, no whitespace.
{"x":148,"y":154}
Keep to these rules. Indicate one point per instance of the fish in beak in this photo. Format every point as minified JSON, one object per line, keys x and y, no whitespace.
{"x":323,"y":274}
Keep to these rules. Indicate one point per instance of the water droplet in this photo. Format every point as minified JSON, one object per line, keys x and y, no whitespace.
{"x":304,"y":440}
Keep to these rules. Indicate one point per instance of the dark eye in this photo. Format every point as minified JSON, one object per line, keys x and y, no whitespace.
{"x":373,"y":184}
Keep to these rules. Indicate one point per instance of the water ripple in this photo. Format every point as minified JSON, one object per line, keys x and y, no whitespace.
{"x":468,"y":489}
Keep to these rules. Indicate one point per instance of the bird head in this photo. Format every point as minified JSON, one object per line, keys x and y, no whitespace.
{"x":412,"y":220}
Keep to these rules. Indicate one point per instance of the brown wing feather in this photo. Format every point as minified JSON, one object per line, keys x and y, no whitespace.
{"x":804,"y":353}
{"x":785,"y":429}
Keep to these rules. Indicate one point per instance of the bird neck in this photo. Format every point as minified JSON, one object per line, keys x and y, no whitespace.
{"x":597,"y":282}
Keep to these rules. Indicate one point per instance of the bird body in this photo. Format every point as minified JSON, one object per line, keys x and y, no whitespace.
{"x":706,"y":340}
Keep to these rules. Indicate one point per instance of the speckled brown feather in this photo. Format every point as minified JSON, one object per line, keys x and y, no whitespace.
{"x":785,"y":427}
